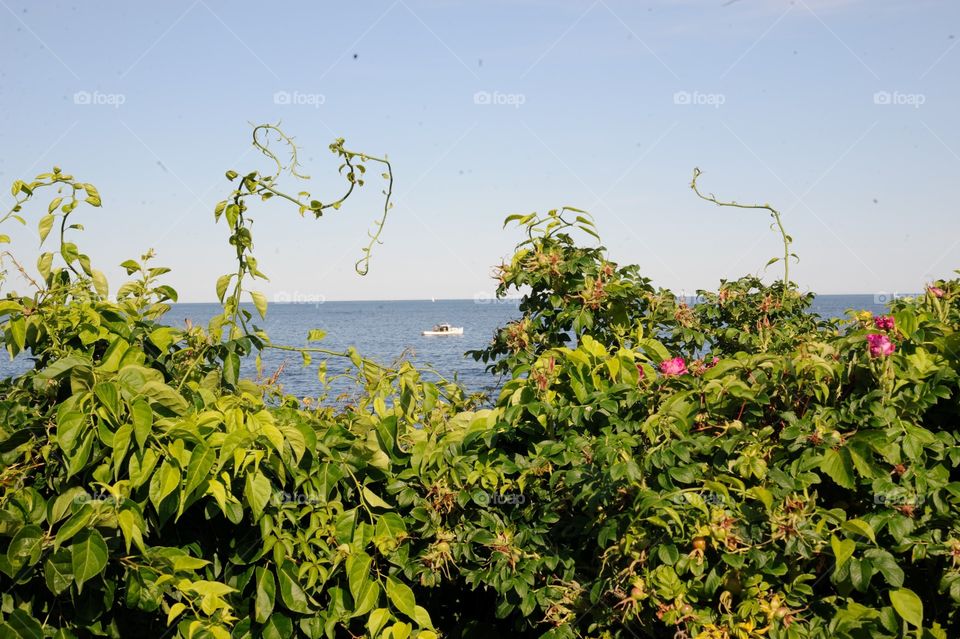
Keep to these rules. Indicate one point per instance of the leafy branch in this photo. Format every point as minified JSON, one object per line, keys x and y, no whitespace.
{"x":234,"y":209}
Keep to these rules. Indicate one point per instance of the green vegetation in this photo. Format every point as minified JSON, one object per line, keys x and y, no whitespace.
{"x":734,"y":469}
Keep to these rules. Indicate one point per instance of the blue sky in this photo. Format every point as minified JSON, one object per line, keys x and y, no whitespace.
{"x":841,"y":113}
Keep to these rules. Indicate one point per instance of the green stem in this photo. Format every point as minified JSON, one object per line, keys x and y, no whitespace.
{"x":786,"y":239}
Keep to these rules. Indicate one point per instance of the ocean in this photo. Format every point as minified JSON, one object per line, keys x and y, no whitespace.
{"x":387,"y":331}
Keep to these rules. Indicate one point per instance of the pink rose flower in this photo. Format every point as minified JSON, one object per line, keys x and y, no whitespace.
{"x":675,"y":366}
{"x":936,"y":291}
{"x":884,"y":322}
{"x":880,"y":345}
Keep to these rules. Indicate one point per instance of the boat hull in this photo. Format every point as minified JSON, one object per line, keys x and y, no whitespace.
{"x":452,"y":331}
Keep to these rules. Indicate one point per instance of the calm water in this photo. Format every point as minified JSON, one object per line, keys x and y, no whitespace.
{"x":385,"y":331}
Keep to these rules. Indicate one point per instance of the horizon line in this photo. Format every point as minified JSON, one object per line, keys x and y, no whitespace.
{"x":492,"y":300}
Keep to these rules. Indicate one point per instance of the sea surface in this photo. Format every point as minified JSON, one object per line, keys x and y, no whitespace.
{"x":387,"y":331}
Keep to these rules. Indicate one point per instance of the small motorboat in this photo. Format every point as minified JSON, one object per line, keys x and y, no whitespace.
{"x":444,"y":329}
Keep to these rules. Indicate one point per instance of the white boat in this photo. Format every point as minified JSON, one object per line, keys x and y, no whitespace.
{"x":444,"y":329}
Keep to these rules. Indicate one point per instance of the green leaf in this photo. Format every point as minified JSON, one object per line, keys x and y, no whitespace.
{"x":175,"y":611}
{"x":130,"y":266}
{"x":222,"y":283}
{"x":44,"y":264}
{"x":231,"y":368}
{"x":377,"y":620}
{"x":401,"y":596}
{"x":58,"y":571}
{"x":93,"y":196}
{"x":293,"y":596}
{"x":260,"y":302}
{"x":109,"y":396}
{"x":25,"y":547}
{"x":839,"y":467}
{"x":860,"y":527}
{"x":232,"y":212}
{"x":44,"y":226}
{"x":363,"y":589}
{"x":100,"y":283}
{"x":74,"y":525}
{"x":278,"y":627}
{"x":258,"y":491}
{"x":373,"y":500}
{"x":842,"y":550}
{"x":201,"y":461}
{"x":78,"y":460}
{"x":62,"y":366}
{"x":131,"y":529}
{"x":24,"y":626}
{"x":163,"y":337}
{"x":266,"y":594}
{"x":121,"y":443}
{"x":887,"y":565}
{"x":160,"y":393}
{"x":908,"y":605}
{"x":400,"y":630}
{"x":164,"y":482}
{"x":358,"y":572}
{"x":316,"y":335}
{"x":142,"y":421}
{"x":18,"y":333}
{"x":88,"y":556}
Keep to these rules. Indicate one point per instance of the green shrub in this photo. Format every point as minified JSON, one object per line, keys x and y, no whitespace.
{"x":733,"y":469}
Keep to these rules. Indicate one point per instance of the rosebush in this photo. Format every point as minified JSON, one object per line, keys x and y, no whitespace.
{"x":733,"y":468}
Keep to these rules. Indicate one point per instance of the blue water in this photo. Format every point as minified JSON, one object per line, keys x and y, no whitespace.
{"x":388,"y":331}
{"x":384,"y":332}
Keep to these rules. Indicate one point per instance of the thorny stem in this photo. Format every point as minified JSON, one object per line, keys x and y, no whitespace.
{"x":775,"y":214}
{"x":23,"y":271}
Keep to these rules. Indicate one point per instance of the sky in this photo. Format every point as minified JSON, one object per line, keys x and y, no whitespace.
{"x":840,"y":113}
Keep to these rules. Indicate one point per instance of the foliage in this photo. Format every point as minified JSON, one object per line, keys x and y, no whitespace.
{"x":735,"y":468}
